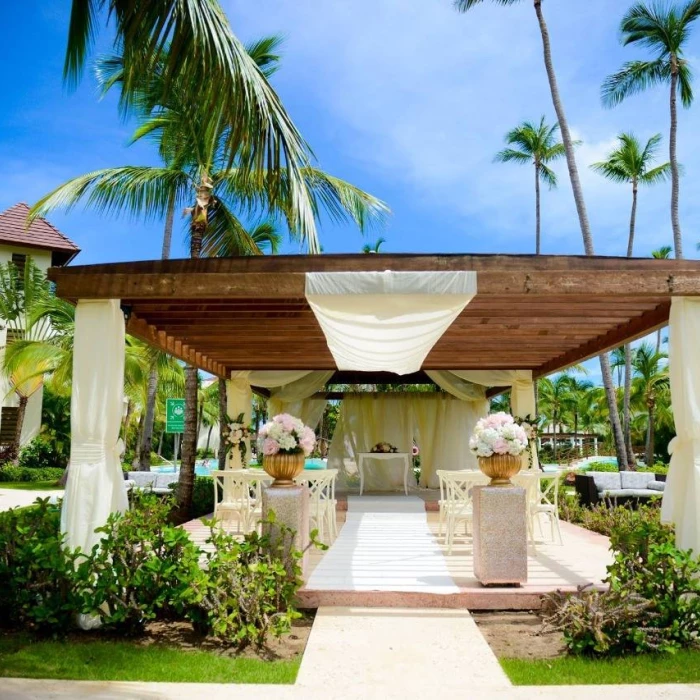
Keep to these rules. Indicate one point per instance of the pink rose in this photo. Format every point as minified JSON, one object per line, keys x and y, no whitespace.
{"x":500,"y":446}
{"x":270,"y":447}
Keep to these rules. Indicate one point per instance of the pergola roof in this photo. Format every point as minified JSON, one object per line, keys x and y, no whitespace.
{"x":542,"y":313}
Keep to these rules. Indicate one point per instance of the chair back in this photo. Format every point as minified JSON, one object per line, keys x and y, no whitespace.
{"x":321,"y":485}
{"x":457,"y":487}
{"x":238,"y":487}
{"x":549,"y":490}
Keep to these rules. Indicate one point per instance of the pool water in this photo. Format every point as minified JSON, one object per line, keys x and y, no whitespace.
{"x":205,"y":467}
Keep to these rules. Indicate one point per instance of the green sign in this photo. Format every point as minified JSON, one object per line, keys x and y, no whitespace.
{"x":174,"y":415}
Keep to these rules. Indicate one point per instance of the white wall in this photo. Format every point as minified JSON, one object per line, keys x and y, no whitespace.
{"x":41,"y":258}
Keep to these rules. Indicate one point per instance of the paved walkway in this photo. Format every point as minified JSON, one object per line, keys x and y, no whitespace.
{"x":16,"y":498}
{"x":385,"y":545}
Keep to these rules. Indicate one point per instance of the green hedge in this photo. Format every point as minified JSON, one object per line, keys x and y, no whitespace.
{"x":42,"y":453}
{"x":26,"y":474}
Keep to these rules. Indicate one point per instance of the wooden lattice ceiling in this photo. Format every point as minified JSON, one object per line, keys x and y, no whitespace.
{"x":530,"y":312}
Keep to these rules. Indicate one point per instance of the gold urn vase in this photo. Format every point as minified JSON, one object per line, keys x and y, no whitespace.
{"x":283,"y":468}
{"x":500,"y":468}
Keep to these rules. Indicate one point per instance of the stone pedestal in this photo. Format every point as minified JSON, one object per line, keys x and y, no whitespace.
{"x":500,"y":535}
{"x":291,"y":508}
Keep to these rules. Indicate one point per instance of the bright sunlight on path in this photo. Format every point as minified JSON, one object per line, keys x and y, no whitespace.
{"x":384,"y":545}
{"x":15,"y":498}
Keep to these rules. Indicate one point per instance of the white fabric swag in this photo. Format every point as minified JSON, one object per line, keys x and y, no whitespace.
{"x":95,"y":486}
{"x":386,"y":321}
{"x":681,"y":499}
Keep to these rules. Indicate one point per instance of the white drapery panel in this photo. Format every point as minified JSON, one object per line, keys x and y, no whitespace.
{"x":386,"y":321}
{"x":309,"y":411}
{"x":303,"y":387}
{"x":296,"y":398}
{"x":269,"y":379}
{"x":95,"y":486}
{"x":441,"y":426}
{"x":461,"y":388}
{"x":681,"y":500}
{"x":239,"y":399}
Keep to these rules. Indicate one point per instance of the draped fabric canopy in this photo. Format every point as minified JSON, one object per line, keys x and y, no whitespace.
{"x":386,"y":321}
{"x":681,"y":500}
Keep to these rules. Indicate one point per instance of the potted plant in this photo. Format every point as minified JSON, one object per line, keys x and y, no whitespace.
{"x":498,"y":442}
{"x":286,"y":442}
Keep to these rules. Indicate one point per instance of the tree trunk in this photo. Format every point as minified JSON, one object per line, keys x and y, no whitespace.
{"x":17,"y":439}
{"x":576,"y":445}
{"x":221,"y":455}
{"x":565,"y":133}
{"x":206,"y":449}
{"x":626,"y":411}
{"x":146,"y":444}
{"x":554,"y":440}
{"x":160,"y":443}
{"x":125,"y":424}
{"x":633,"y":221}
{"x":611,"y":396}
{"x":538,"y":248}
{"x":675,"y":175}
{"x":650,"y":434}
{"x":198,"y":227}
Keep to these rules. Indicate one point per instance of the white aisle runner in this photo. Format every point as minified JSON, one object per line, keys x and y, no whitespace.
{"x":385,"y":545}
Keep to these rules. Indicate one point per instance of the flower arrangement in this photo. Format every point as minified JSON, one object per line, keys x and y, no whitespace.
{"x":531,"y":426}
{"x":285,"y":434}
{"x":498,"y":434}
{"x":384,"y":448}
{"x":415,"y":451}
{"x":235,"y":433}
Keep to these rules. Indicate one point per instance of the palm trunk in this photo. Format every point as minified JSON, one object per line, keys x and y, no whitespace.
{"x":554,"y":440}
{"x":160,"y":443}
{"x":538,"y":248}
{"x":650,"y":434}
{"x":633,"y":220}
{"x":582,"y":217}
{"x":206,"y":449}
{"x":125,"y":424}
{"x":17,"y":440}
{"x":576,"y":445}
{"x":658,"y":341}
{"x":565,"y":133}
{"x":198,"y":226}
{"x":626,"y":412}
{"x":675,"y":176}
{"x":146,"y":446}
{"x":221,"y":454}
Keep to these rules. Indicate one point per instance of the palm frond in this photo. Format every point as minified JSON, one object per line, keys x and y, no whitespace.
{"x":634,"y":77}
{"x":225,"y":235}
{"x":658,"y":174}
{"x":264,"y":53}
{"x":509,"y":155}
{"x":548,"y":176}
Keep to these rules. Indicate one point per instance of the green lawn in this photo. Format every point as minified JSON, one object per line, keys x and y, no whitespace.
{"x":31,"y":485}
{"x":683,"y":667}
{"x":98,"y":660}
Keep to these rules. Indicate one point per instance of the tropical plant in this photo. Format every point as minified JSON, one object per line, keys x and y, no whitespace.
{"x":534,"y":144}
{"x":663,"y":253}
{"x":555,"y":399}
{"x":631,"y":164}
{"x":567,"y":140}
{"x":367,"y":248}
{"x":664,"y":29}
{"x":650,"y":385}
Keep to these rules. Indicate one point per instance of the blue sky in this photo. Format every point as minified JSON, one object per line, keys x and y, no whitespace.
{"x":405,"y":98}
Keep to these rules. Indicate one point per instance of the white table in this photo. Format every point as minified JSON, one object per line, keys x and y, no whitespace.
{"x":362,"y":456}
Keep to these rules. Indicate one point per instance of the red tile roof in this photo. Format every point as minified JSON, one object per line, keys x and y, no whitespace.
{"x":41,"y":233}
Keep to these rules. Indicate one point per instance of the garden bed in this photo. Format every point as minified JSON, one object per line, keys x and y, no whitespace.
{"x":167,"y":652}
{"x":531,"y":658}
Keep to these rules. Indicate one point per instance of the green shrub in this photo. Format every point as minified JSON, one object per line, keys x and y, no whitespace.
{"x":41,"y":453}
{"x":205,"y":454}
{"x":658,"y":468}
{"x":202,"y":496}
{"x":144,"y":567}
{"x":653,"y":601}
{"x":39,"y":583}
{"x":156,"y":459}
{"x":11,"y":473}
{"x":600,"y":467}
{"x":248,"y":593}
{"x":609,"y":521}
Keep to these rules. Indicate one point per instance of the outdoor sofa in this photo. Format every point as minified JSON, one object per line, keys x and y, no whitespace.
{"x":618,"y":487}
{"x":151,"y":481}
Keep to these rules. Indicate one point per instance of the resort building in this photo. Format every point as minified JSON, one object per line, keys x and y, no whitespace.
{"x":46,"y":247}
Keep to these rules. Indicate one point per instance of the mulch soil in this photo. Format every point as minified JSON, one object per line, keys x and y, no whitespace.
{"x":518,"y":635}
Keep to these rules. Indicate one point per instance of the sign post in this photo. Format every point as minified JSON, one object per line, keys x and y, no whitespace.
{"x":175,"y":421}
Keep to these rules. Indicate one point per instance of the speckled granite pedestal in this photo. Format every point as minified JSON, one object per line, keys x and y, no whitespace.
{"x":291,"y":508}
{"x":500,"y":535}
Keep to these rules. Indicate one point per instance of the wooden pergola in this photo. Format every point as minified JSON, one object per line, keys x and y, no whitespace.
{"x":539,"y":313}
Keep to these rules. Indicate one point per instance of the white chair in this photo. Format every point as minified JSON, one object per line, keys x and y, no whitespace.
{"x":548,"y":503}
{"x":456,"y":501}
{"x":322,"y":501}
{"x":241,"y":496}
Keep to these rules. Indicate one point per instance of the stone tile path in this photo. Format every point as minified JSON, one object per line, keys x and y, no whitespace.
{"x":16,"y":498}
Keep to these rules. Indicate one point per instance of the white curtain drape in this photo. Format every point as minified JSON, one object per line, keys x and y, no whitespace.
{"x":95,"y":486}
{"x":440,"y":425}
{"x":681,"y":500}
{"x":461,"y":388}
{"x":309,"y":411}
{"x":239,"y":399}
{"x":386,"y":321}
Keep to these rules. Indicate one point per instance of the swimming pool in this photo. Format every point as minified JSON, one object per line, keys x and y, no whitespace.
{"x":205,"y":467}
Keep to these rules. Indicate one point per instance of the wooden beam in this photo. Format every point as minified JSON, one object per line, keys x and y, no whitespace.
{"x":626,"y":332}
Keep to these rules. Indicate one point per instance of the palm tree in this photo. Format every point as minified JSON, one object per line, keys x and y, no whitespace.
{"x":534,"y":144}
{"x":367,"y":248}
{"x":630,"y":163}
{"x":464,"y":6}
{"x":663,"y":253}
{"x":664,"y":29}
{"x":650,"y":383}
{"x":192,"y":45}
{"x":554,"y":400}
{"x":193,"y":141}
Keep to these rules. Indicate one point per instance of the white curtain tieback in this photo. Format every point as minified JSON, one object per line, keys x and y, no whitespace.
{"x":89,"y":452}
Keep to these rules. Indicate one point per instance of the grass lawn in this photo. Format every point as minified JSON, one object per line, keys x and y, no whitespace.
{"x":21,"y":657}
{"x":682,"y":667}
{"x":31,"y":485}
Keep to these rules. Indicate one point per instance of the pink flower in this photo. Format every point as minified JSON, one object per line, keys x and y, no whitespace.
{"x":270,"y":447}
{"x":415,"y":451}
{"x":500,"y":446}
